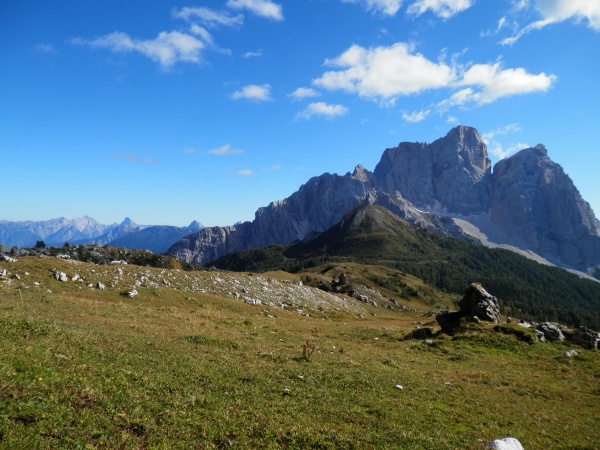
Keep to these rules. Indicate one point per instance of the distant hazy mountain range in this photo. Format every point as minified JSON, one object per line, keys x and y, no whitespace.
{"x":85,"y":230}
{"x":526,"y":204}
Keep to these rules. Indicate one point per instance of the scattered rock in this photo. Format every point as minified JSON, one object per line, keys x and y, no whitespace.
{"x":100,"y":285}
{"x":570,"y":353}
{"x":9,"y":259}
{"x":76,"y":277}
{"x":16,"y":277}
{"x":3,"y":272}
{"x":399,"y":387}
{"x":551,"y":331}
{"x":60,"y":276}
{"x":132,"y":293}
{"x":506,"y":444}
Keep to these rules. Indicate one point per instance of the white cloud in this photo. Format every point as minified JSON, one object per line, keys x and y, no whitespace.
{"x":263,"y":8}
{"x":555,"y":11}
{"x":303,"y":92}
{"x":387,"y":7}
{"x":254,"y":92}
{"x":384,"y":72}
{"x":244,"y":173}
{"x":415,"y":116}
{"x":322,"y":109}
{"x":190,"y":151}
{"x":209,"y":17}
{"x":166,"y":49}
{"x":441,"y":8}
{"x":495,"y":82}
{"x":225,"y":150}
{"x":46,"y":49}
{"x":496,"y":148}
{"x":452,"y":120}
{"x":257,"y":54}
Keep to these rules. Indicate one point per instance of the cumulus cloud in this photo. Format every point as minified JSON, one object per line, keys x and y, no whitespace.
{"x":262,"y":8}
{"x":494,"y":83}
{"x":415,"y":116}
{"x":166,"y":49}
{"x":244,"y":173}
{"x":555,"y":11}
{"x":441,"y":8}
{"x":225,"y":150}
{"x":387,"y":7}
{"x":303,"y":92}
{"x":254,"y":92}
{"x":323,"y":110}
{"x":384,"y":72}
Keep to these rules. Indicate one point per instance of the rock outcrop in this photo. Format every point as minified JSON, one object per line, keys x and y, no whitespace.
{"x":475,"y":306}
{"x":526,"y":202}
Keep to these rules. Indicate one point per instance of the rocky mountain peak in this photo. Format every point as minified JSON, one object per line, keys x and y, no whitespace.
{"x":535,"y":202}
{"x":450,"y":174}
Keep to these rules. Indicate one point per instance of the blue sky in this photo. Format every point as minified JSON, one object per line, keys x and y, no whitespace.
{"x":172,"y":111}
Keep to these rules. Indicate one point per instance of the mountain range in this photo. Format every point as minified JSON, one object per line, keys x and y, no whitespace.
{"x":85,"y":230}
{"x":525,"y":203}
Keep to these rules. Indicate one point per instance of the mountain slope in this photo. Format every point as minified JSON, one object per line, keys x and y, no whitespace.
{"x":157,"y":238}
{"x":373,"y":235}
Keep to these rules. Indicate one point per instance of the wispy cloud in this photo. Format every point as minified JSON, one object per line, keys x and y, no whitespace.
{"x":257,"y":54}
{"x":244,"y":173}
{"x":303,"y":92}
{"x":262,"y":8}
{"x":496,"y":148}
{"x":166,"y":49}
{"x":555,"y":11}
{"x":190,"y":151}
{"x":208,"y":17}
{"x":46,"y":49}
{"x":386,"y":7}
{"x":132,"y":158}
{"x":323,"y":110}
{"x":225,"y":150}
{"x":254,"y":92}
{"x":415,"y":116}
{"x":441,"y":8}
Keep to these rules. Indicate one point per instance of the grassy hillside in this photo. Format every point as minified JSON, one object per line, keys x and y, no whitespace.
{"x":188,"y":364}
{"x":372,"y":235}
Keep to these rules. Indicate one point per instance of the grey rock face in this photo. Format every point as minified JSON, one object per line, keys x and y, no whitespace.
{"x":527,"y":199}
{"x":451,"y":173}
{"x":538,"y":205}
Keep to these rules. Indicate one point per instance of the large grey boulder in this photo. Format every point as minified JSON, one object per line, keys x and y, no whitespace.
{"x":478,"y":302}
{"x":551,"y":331}
{"x":586,"y":338}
